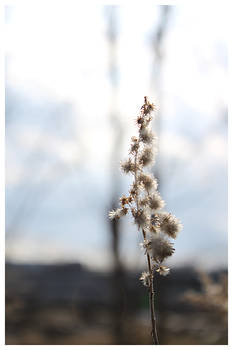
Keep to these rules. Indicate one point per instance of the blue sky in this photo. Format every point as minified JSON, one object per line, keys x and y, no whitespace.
{"x":59,"y":135}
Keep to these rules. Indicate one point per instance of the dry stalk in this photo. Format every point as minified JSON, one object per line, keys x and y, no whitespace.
{"x":145,"y":203}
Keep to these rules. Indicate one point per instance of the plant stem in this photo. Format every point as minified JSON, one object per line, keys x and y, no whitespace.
{"x":151,"y":288}
{"x":151,"y":298}
{"x":135,"y":175}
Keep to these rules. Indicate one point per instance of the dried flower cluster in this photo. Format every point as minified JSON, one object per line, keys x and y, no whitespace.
{"x":145,"y":203}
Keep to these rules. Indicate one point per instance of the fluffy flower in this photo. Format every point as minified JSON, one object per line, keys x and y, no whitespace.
{"x":143,"y":201}
{"x":154,"y":229}
{"x":145,"y":278}
{"x":140,"y":217}
{"x":163,"y":270}
{"x":169,"y":224}
{"x":147,"y":156}
{"x":128,"y":166}
{"x":154,"y":219}
{"x":148,"y":181}
{"x":154,"y":224}
{"x":156,"y":202}
{"x":118,"y":213}
{"x":140,"y":120}
{"x":134,"y":145}
{"x":134,"y":190}
{"x":147,"y":136}
{"x":161,"y":248}
{"x":147,"y":107}
{"x":146,"y":245}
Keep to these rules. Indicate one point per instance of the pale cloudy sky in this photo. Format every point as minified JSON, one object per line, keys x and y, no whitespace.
{"x":57,"y":63}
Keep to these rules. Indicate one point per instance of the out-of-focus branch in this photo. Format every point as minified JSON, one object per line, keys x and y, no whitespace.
{"x":157,"y":43}
{"x":118,"y":273}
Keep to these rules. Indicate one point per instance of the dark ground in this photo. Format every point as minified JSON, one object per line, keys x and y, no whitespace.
{"x":67,"y":304}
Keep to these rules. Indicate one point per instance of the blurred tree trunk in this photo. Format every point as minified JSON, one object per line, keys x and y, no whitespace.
{"x":157,"y":43}
{"x":118,"y":277}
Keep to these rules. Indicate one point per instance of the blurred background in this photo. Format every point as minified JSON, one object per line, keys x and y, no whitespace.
{"x":76,"y":76}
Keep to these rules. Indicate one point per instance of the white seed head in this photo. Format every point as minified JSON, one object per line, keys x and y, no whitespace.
{"x":134,"y":189}
{"x":154,"y":224}
{"x":134,"y":145}
{"x":148,"y":181}
{"x":147,"y":156}
{"x":146,"y":245}
{"x":145,"y":278}
{"x":143,"y":202}
{"x":141,"y":218}
{"x":118,"y":213}
{"x":128,"y":166}
{"x":161,"y":248}
{"x":169,"y":224}
{"x":147,"y":136}
{"x":114,"y":214}
{"x":156,"y":202}
{"x":163,"y":270}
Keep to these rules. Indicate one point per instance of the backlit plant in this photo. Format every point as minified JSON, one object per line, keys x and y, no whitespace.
{"x":145,"y":205}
